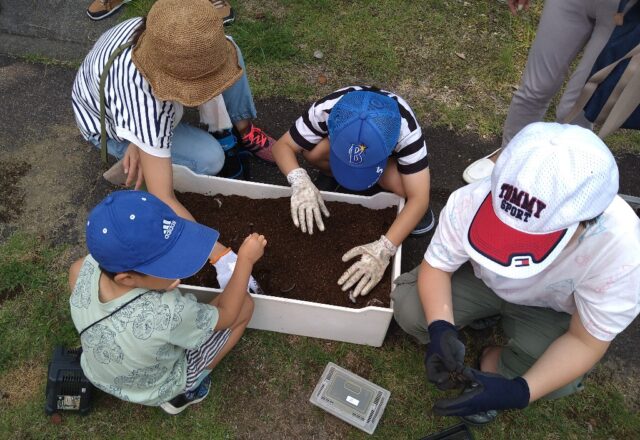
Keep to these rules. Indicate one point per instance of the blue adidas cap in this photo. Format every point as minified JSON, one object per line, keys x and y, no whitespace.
{"x":134,"y":230}
{"x":363,"y":131}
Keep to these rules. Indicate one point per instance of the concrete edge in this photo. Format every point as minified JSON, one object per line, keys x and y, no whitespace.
{"x":23,"y":45}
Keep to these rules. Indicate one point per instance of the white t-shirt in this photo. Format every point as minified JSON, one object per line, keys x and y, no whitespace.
{"x":598,"y":274}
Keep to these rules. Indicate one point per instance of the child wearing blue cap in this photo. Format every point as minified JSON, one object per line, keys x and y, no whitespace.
{"x":143,"y":341}
{"x":361,"y":136}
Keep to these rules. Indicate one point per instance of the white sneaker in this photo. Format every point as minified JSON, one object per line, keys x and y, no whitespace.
{"x":479,"y":169}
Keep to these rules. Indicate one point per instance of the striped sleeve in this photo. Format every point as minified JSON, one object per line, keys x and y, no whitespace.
{"x":140,"y":117}
{"x":132,"y":113}
{"x":310,"y":128}
{"x":411,"y":151}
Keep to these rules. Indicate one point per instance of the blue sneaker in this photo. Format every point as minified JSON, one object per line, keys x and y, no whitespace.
{"x":182,"y":401}
{"x":226,"y":139}
{"x":234,"y":165}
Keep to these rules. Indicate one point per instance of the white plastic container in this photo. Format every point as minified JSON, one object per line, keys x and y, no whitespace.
{"x":366,"y":326}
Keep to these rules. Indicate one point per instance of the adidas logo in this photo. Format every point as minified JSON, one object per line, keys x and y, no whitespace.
{"x":167,"y":228}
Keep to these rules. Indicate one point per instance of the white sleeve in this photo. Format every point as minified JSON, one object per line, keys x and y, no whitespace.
{"x":446,"y":251}
{"x":609,"y":302}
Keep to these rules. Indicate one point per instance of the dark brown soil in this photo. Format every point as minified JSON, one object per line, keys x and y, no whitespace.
{"x":11,"y":196}
{"x":294,"y":265}
{"x":10,"y":293}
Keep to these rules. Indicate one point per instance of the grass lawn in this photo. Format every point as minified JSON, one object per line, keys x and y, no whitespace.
{"x":457,"y":63}
{"x":260,"y":390}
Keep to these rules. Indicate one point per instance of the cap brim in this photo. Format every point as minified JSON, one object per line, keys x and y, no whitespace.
{"x":509,"y":252}
{"x":187,"y":256}
{"x":355,"y":178}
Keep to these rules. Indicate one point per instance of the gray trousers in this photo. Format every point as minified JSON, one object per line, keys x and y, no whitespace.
{"x":530,"y":330}
{"x":566,"y":27}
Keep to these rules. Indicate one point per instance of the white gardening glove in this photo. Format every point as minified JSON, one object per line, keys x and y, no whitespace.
{"x":224,"y":269}
{"x":369,"y":270}
{"x":306,"y":201}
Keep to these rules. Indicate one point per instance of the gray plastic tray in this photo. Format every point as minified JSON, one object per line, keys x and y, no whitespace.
{"x":350,"y":398}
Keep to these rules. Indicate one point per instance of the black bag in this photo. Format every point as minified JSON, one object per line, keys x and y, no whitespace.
{"x":611,"y":96}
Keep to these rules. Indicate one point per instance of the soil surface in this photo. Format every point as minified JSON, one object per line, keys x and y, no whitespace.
{"x":294,"y":265}
{"x":11,"y":195}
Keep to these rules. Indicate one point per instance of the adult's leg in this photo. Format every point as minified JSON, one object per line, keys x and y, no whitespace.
{"x":192,"y":147}
{"x":239,"y":100}
{"x":601,"y":12}
{"x":471,"y":298}
{"x":564,"y":28}
{"x":530,"y":331}
{"x":241,"y":109}
{"x":197,"y":150}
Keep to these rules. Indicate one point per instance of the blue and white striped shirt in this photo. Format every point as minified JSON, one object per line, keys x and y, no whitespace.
{"x":132,"y":112}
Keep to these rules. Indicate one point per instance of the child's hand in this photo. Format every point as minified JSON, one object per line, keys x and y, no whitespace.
{"x":252,"y":248}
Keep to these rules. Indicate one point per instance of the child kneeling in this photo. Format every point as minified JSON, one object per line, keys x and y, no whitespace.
{"x":144,"y":341}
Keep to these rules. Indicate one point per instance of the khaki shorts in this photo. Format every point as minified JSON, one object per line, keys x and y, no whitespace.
{"x":530,"y":330}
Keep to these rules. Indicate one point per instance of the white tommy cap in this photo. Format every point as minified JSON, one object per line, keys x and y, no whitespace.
{"x":548,"y":179}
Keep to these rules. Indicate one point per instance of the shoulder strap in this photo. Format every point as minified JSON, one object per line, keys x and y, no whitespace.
{"x":590,"y":87}
{"x":114,"y":312}
{"x":103,"y":82}
{"x":626,"y":104}
{"x":597,"y":77}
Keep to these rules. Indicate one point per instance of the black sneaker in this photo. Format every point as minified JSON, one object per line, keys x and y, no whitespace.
{"x":426,"y":224}
{"x":482,"y":323}
{"x":182,"y":401}
{"x":481,"y":418}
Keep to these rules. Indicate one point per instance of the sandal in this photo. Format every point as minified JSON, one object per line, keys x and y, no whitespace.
{"x":224,"y":11}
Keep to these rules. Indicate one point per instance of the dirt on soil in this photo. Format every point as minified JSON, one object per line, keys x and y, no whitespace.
{"x":11,"y":195}
{"x":295,"y":265}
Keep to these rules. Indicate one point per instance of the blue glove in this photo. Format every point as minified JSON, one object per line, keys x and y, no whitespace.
{"x":445,"y":354}
{"x":487,"y":391}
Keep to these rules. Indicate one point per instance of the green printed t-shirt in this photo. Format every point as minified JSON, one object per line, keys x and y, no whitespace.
{"x":138,"y":354}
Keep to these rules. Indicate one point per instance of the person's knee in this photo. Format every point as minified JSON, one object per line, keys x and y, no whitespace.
{"x":539,"y":92}
{"x":408,"y":314}
{"x":211,"y":161}
{"x":246,"y":312}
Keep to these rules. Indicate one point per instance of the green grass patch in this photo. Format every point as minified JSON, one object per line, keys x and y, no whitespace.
{"x":47,"y":61}
{"x":262,"y":389}
{"x":34,"y":312}
{"x":457,"y":63}
{"x":624,"y":141}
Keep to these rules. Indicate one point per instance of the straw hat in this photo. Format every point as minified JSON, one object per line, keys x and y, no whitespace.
{"x":184,"y":54}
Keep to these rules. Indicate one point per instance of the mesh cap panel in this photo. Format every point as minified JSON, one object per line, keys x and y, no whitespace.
{"x":381,"y":111}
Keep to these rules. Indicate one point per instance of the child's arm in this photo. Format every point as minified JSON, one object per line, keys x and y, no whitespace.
{"x":230,"y":301}
{"x":74,"y":270}
{"x":416,"y":190}
{"x":284,"y":153}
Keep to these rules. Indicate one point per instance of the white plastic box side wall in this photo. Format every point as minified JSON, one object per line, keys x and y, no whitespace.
{"x":367,"y":326}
